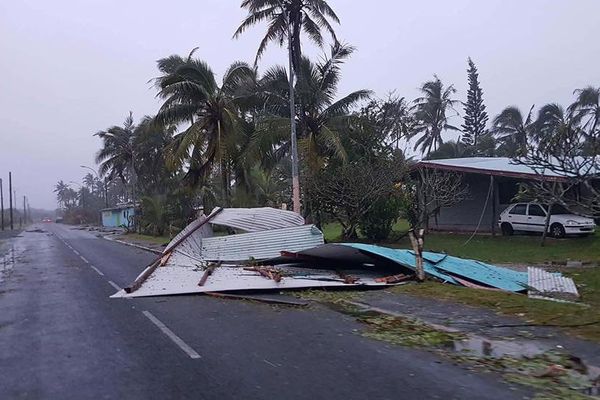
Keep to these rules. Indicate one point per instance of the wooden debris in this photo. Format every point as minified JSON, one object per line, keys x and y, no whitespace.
{"x":208,"y":272}
{"x":267,"y":272}
{"x":348,"y":279}
{"x":394,"y":278}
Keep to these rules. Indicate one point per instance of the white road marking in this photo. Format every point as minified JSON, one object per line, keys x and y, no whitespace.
{"x":176,"y":339}
{"x":84,"y":259}
{"x":75,"y":251}
{"x":97,"y":270}
{"x":111,"y":283}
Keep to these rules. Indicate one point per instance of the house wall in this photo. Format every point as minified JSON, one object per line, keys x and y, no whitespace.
{"x":117,"y":218}
{"x":465,"y":215}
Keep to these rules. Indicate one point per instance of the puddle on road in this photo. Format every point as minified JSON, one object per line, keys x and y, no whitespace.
{"x":586,"y":378}
{"x":7,"y":262}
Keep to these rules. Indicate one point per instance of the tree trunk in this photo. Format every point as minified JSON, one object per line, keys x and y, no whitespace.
{"x":546,"y":224}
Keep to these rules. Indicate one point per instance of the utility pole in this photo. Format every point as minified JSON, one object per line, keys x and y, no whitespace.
{"x":2,"y":203}
{"x":10,"y":194}
{"x":24,"y":210}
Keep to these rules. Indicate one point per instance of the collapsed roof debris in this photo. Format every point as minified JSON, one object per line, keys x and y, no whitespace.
{"x":273,"y":249}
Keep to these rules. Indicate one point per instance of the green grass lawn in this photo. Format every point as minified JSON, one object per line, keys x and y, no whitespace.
{"x":498,"y":249}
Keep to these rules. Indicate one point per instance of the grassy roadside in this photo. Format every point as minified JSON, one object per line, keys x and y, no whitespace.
{"x":579,"y":320}
{"x":498,"y":249}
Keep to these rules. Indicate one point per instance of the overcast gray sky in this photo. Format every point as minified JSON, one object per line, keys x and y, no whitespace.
{"x":71,"y":68}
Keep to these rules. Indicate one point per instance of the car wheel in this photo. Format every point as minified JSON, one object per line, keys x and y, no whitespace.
{"x":507,"y":229}
{"x":557,"y":230}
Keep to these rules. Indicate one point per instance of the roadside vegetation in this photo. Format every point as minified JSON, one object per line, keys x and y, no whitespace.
{"x":223,"y":138}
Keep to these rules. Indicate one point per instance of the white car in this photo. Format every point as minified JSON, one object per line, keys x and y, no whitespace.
{"x":531,"y":217}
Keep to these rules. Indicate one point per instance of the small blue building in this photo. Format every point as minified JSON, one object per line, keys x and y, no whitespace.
{"x":118,"y":216}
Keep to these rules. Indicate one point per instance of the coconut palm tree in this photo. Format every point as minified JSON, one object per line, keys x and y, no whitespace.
{"x":151,"y":143}
{"x":513,"y":131}
{"x":116,"y":157}
{"x":323,"y":116}
{"x":430,"y":112}
{"x":286,"y":20}
{"x":61,"y":189}
{"x":193,"y":97}
{"x":586,"y":108}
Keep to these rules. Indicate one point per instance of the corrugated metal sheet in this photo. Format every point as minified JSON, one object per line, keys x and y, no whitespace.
{"x":261,"y":245}
{"x":257,"y":219}
{"x":170,"y":280}
{"x":553,"y":285}
{"x":403,"y":257}
{"x":445,"y":267}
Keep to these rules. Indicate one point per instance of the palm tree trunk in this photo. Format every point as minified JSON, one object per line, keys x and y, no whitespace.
{"x":295,"y":174}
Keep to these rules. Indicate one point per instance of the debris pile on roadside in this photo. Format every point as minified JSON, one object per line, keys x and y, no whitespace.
{"x":274,"y":249}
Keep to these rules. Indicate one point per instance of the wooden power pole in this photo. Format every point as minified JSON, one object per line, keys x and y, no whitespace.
{"x":10,"y":196}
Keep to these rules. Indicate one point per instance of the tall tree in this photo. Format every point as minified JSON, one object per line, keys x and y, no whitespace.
{"x":324,"y":115}
{"x":286,"y":20}
{"x":192,"y":96}
{"x":475,"y":115}
{"x":116,"y":157}
{"x":430,"y":112}
{"x":513,"y":130}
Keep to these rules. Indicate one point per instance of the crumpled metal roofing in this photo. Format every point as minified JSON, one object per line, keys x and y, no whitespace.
{"x":547,"y":284}
{"x":444,"y":267}
{"x":260,"y":245}
{"x":257,"y":219}
{"x":170,"y":280}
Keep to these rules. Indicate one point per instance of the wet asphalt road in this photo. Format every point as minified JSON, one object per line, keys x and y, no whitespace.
{"x":61,"y":337}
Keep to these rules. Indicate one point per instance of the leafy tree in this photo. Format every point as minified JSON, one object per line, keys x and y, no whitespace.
{"x":192,"y":96}
{"x":152,"y":140}
{"x":391,"y":116}
{"x":117,"y":153}
{"x":585,"y":110}
{"x":286,"y":20}
{"x":475,"y":115}
{"x":323,"y":117}
{"x":513,"y":130}
{"x":430,"y":112}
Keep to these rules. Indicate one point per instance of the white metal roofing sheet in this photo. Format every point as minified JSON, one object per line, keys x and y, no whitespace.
{"x":261,"y":245}
{"x":257,"y":219}
{"x":496,"y":164}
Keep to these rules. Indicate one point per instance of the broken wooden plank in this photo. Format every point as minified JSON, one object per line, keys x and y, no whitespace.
{"x":208,"y":272}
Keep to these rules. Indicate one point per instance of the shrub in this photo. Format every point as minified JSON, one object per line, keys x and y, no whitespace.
{"x":377,"y":223}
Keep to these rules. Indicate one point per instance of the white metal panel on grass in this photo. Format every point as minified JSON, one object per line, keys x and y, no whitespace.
{"x":550,"y":285}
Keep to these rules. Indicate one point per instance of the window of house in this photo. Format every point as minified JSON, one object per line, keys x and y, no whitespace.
{"x":519,"y":209}
{"x":536,"y":211}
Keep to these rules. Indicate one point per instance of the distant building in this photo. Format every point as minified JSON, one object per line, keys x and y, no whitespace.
{"x":493,"y":182}
{"x":121,"y":215}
